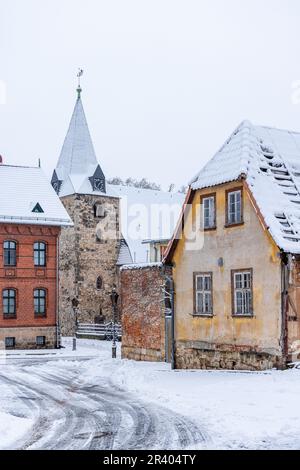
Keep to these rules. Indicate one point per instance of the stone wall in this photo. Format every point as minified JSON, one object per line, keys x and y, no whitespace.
{"x":143,"y":318}
{"x":25,"y":338}
{"x":87,"y":251}
{"x":190,"y":355}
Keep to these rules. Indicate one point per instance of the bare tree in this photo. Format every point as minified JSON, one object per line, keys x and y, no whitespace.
{"x":143,"y":183}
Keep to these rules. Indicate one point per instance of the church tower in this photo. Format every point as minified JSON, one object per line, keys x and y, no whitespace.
{"x":89,"y":251}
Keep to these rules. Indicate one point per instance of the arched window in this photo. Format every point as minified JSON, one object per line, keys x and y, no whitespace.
{"x":40,"y":251}
{"x":9,"y":302}
{"x":10,"y":253}
{"x":99,"y":283}
{"x":40,"y":302}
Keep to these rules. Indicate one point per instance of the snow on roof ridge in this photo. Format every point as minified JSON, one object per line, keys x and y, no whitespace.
{"x":21,"y":166}
{"x":279,"y":129}
{"x":244,"y":125}
{"x":133,"y":266}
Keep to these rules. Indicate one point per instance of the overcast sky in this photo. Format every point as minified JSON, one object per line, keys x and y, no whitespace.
{"x":165,"y":83}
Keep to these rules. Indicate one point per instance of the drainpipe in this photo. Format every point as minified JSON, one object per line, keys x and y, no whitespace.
{"x":285,"y":276}
{"x":57,"y":293}
{"x":169,"y":279}
{"x":173,"y":355}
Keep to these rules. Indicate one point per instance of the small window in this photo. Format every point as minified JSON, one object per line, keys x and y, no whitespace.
{"x":203,"y":294}
{"x":234,"y":207}
{"x":39,"y":251}
{"x":10,"y":253}
{"x":41,"y":340}
{"x":209,"y":212}
{"x":10,"y":343}
{"x":9,"y":303}
{"x":242,"y":293}
{"x":40,"y":302}
{"x":99,"y":211}
{"x":99,"y":283}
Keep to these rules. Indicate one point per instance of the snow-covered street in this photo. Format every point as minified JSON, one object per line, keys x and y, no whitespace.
{"x":85,"y":400}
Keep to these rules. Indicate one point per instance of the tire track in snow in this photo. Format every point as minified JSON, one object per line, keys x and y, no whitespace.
{"x":101,"y":417}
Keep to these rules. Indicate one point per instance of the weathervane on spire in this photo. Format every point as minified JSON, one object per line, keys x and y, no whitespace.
{"x":79,"y":75}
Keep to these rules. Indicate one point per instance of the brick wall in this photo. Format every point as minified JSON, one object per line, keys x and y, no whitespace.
{"x":143,"y":318}
{"x":25,"y":277}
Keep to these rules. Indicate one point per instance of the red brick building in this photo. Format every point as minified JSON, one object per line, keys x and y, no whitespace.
{"x":31,"y":216}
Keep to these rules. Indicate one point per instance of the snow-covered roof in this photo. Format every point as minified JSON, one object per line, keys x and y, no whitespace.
{"x":24,"y":189}
{"x":77,"y":163}
{"x":269,"y":159}
{"x":124,"y":254}
{"x":135,"y":266}
{"x":78,"y":152}
{"x":146,"y":215}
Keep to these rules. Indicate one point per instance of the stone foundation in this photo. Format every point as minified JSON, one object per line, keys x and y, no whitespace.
{"x":192,"y":356}
{"x":25,"y":338}
{"x":140,"y":354}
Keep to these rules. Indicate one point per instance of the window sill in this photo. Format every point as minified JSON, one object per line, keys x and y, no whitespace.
{"x":37,"y":316}
{"x":244,"y":316}
{"x":212,"y":229}
{"x":239,"y":224}
{"x":9,"y":317}
{"x":199,"y":315}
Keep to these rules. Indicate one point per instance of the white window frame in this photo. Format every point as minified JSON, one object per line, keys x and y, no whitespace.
{"x":235,"y":216}
{"x":243,"y":293}
{"x":209,"y":219}
{"x":204,"y":291}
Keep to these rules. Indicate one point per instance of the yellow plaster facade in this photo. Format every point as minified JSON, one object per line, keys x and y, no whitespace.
{"x":224,"y":340}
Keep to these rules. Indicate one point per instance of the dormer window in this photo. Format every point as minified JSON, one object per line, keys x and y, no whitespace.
{"x":38,"y":209}
{"x":56,"y":183}
{"x":98,"y":181}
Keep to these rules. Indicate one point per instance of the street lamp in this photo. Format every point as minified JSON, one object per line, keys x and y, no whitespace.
{"x":114,"y":300}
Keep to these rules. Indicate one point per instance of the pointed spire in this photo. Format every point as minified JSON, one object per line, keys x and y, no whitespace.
{"x":78,"y":151}
{"x":78,"y":157}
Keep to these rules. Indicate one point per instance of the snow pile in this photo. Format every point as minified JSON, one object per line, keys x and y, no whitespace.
{"x":12,"y":429}
{"x":269,"y":159}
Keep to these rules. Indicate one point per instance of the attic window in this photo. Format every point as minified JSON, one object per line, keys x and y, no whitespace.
{"x":37,"y":209}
